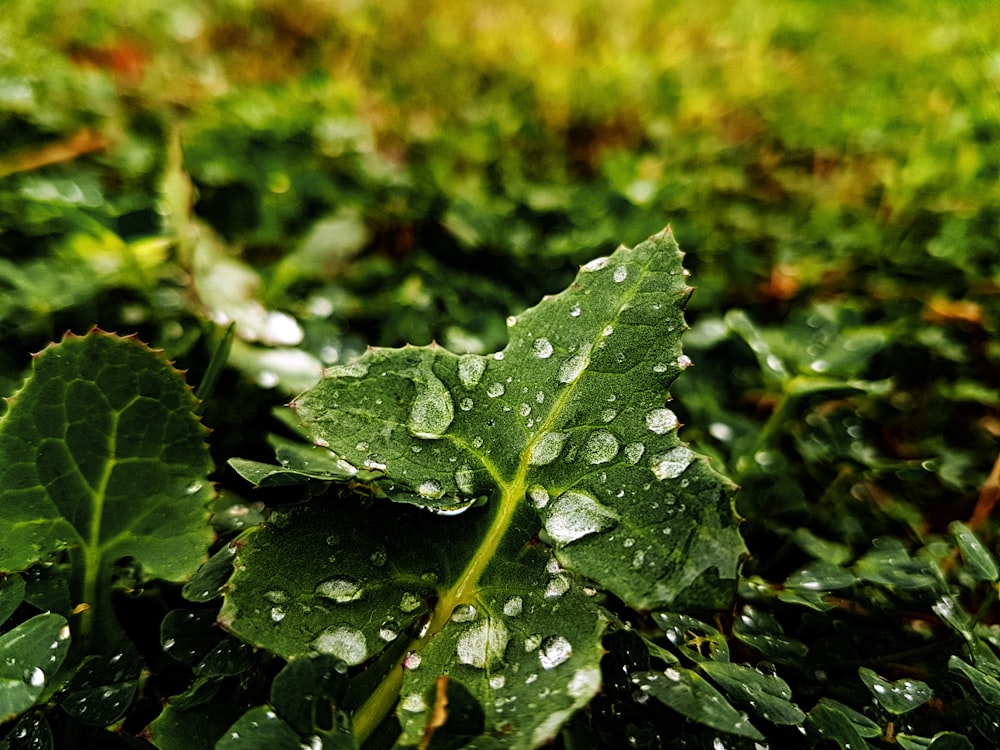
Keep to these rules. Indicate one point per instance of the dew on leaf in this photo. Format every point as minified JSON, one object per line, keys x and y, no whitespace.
{"x":553,"y":651}
{"x":661,"y":420}
{"x":574,"y":515}
{"x":379,"y":556}
{"x":575,"y":311}
{"x":465,"y":404}
{"x":470,"y":369}
{"x":600,"y":447}
{"x":410,"y":601}
{"x":483,"y":644}
{"x":621,"y":273}
{"x":466,"y":480}
{"x":340,"y":590}
{"x":513,"y":607}
{"x":671,"y":464}
{"x":523,"y":409}
{"x":464,"y":613}
{"x":570,"y":369}
{"x":412,"y":660}
{"x":596,"y":264}
{"x":557,"y":586}
{"x":414,"y":703}
{"x":432,"y":411}
{"x":497,"y":681}
{"x":608,"y":415}
{"x":344,"y":642}
{"x":430,"y":488}
{"x":276,"y":596}
{"x":34,"y":677}
{"x":684,"y":361}
{"x":633,"y":452}
{"x":495,"y":390}
{"x":542,"y":348}
{"x":546,"y":448}
{"x":388,"y":630}
{"x":538,"y":495}
{"x":277,"y":614}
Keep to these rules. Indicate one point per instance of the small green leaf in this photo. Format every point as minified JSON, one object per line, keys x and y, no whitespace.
{"x":31,"y":732}
{"x":692,"y":696}
{"x":260,"y":728}
{"x":897,"y":697}
{"x":833,"y":721}
{"x":978,"y":559}
{"x":695,"y":639}
{"x":307,"y":692}
{"x":987,"y":686}
{"x":197,"y":719}
{"x":101,"y":452}
{"x":940,"y":741}
{"x":889,"y":563}
{"x":766,"y":695}
{"x":30,"y":655}
{"x":103,"y":687}
{"x":192,"y":637}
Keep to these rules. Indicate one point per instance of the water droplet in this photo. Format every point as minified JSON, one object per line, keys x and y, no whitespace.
{"x":684,"y":361}
{"x":34,"y":677}
{"x":194,"y":488}
{"x":523,"y":409}
{"x":277,"y":614}
{"x":574,"y":515}
{"x":600,"y":447}
{"x":353,"y":370}
{"x":344,"y":642}
{"x":554,"y":651}
{"x":661,"y":420}
{"x":660,"y":367}
{"x":621,"y":273}
{"x":430,"y":488}
{"x":539,"y":496}
{"x":608,"y":415}
{"x":542,"y":348}
{"x":169,"y":644}
{"x":340,"y":590}
{"x":410,"y":602}
{"x":608,"y":330}
{"x":575,"y":311}
{"x":671,"y":464}
{"x":465,"y":404}
{"x":557,"y":586}
{"x":497,"y":681}
{"x":470,"y":369}
{"x":495,"y":390}
{"x":596,"y":264}
{"x":414,"y":703}
{"x":277,"y":596}
{"x":388,"y":630}
{"x":432,"y":411}
{"x":483,"y":644}
{"x":379,"y":556}
{"x":511,"y":321}
{"x":570,"y":369}
{"x":513,"y":607}
{"x":466,"y":480}
{"x":546,"y":448}
{"x":464,"y":613}
{"x":412,"y":660}
{"x":498,"y":356}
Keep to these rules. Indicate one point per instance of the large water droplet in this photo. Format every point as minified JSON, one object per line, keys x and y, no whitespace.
{"x":389,"y":630}
{"x":570,"y":369}
{"x":574,"y":515}
{"x":414,"y":703}
{"x":621,"y":273}
{"x":495,"y":390}
{"x":513,"y":607}
{"x":672,"y":463}
{"x":538,"y":495}
{"x":483,"y":644}
{"x":661,"y":420}
{"x":575,"y":311}
{"x":546,"y":448}
{"x":430,"y":488}
{"x":470,"y":369}
{"x":34,"y":677}
{"x":542,"y":348}
{"x":466,"y":480}
{"x":463,"y":613}
{"x":432,"y":411}
{"x":340,"y":590}
{"x":344,"y":642}
{"x":410,"y":601}
{"x":600,"y":447}
{"x":555,"y":650}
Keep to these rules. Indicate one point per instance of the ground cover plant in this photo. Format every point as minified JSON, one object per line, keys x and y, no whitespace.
{"x":380,"y":422}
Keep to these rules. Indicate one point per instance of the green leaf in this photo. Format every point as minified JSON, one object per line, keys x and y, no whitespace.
{"x":192,"y":637}
{"x":103,"y":687}
{"x":32,"y":732}
{"x":100,"y":452}
{"x":766,"y":695}
{"x":692,"y":696}
{"x":940,"y":741}
{"x":260,"y":728}
{"x":693,"y":638}
{"x":12,"y":588}
{"x":834,"y":721}
{"x":29,"y":655}
{"x":196,"y":719}
{"x":987,"y":686}
{"x":570,"y":415}
{"x":897,"y":697}
{"x":978,"y":559}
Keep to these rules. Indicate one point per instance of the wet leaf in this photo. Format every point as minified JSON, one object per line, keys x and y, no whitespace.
{"x":103,"y":687}
{"x":768,"y":696}
{"x":192,"y":637}
{"x":260,"y":728}
{"x":940,"y":741}
{"x":30,"y":655}
{"x":101,"y":452}
{"x":897,"y":697}
{"x":692,"y":696}
{"x":833,"y":721}
{"x":979,"y":560}
{"x":566,"y":436}
{"x":12,"y":588}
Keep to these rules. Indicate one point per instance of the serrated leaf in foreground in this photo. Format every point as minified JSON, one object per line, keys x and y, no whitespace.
{"x":567,"y":435}
{"x":101,"y":453}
